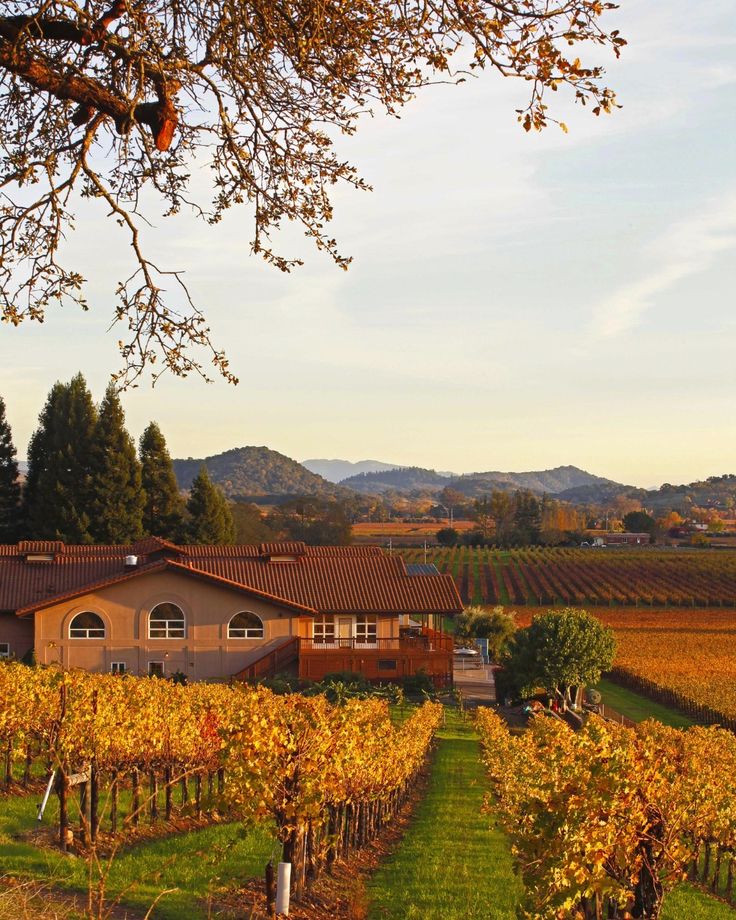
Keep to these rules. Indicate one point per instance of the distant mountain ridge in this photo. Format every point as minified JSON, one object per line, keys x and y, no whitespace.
{"x":405,"y":479}
{"x":414,"y":479}
{"x":247,"y":473}
{"x":337,"y":470}
{"x":552,"y":482}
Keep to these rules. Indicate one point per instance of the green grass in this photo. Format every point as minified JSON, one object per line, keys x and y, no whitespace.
{"x":688,"y":903}
{"x":449,"y":864}
{"x":638,"y":708}
{"x":197,"y":863}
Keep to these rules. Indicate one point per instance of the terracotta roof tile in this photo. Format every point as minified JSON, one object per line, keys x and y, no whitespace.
{"x":328,"y":579}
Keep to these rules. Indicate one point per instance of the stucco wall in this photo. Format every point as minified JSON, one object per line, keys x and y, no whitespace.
{"x":205,"y":654}
{"x":17,"y":632}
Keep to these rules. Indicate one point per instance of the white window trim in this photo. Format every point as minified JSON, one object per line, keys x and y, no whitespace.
{"x":172,"y":629}
{"x":4,"y":650}
{"x":325,"y":632}
{"x":114,"y":670}
{"x":92,"y":632}
{"x":250,"y":632}
{"x":157,"y":661}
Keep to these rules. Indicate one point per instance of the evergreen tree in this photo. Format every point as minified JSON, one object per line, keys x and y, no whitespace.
{"x":210,"y":517}
{"x":117,"y":499}
{"x":9,"y":486}
{"x":57,"y":492}
{"x":163,"y":512}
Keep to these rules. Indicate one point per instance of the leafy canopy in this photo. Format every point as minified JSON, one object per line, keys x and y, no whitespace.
{"x":120,"y":101}
{"x":561,"y":648}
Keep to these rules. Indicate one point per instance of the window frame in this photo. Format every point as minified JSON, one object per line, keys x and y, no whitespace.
{"x":115,"y":667}
{"x":90,"y":632}
{"x":7,"y":653}
{"x":163,"y":667}
{"x":178,"y":631}
{"x":233,"y":632}
{"x":324,"y":629}
{"x":366,"y":629}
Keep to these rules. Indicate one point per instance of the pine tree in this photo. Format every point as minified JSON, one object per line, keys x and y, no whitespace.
{"x":57,"y":492}
{"x":10,"y":512}
{"x":163,"y":513}
{"x":117,"y":498}
{"x":210,"y":517}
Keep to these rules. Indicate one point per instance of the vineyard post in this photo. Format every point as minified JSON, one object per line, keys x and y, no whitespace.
{"x":63,"y":811}
{"x":270,"y":890}
{"x":114,"y":802}
{"x":9,"y":765}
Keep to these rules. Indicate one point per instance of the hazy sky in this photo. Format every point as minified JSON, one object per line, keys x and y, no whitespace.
{"x":516,"y":301}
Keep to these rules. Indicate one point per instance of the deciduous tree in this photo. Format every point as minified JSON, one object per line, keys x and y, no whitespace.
{"x":117,"y":101}
{"x":561,"y":649}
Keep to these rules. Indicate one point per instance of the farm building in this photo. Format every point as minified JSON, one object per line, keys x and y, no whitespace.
{"x":215,"y":612}
{"x":612,"y":538}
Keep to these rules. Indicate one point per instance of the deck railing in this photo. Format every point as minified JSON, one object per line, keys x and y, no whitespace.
{"x":433,"y":642}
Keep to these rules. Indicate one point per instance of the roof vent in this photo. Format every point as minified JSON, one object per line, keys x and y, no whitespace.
{"x":131,"y":562}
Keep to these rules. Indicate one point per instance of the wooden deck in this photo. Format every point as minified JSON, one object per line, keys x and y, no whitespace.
{"x":385,"y":659}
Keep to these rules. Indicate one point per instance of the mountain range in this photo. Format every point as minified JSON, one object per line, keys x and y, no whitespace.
{"x":407,"y":480}
{"x":262,"y":474}
{"x":340,"y":470}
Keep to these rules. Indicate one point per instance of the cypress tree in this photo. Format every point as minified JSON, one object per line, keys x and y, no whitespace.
{"x":117,"y":499}
{"x":57,"y":492}
{"x":210,"y":517}
{"x":10,"y":512}
{"x":163,"y":512}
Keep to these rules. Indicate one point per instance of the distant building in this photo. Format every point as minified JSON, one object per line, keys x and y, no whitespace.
{"x":613,"y":538}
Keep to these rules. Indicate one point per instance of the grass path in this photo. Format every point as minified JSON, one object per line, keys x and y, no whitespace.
{"x":449,"y":865}
{"x":638,"y":708}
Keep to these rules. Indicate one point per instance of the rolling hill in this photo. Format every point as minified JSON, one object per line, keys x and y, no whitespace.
{"x":248,"y":473}
{"x":405,"y":479}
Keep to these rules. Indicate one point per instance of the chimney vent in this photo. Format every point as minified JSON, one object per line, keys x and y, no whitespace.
{"x":131,"y":562}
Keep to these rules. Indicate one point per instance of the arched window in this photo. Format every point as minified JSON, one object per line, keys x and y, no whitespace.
{"x":87,"y":625}
{"x":166,"y":621}
{"x":245,"y":625}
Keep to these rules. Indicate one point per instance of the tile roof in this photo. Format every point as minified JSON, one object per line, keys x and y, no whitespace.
{"x":326,"y":579}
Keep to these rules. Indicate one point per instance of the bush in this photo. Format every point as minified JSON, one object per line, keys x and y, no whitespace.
{"x":448,"y":536}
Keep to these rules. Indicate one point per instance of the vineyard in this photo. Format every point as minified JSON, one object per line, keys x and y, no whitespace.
{"x":546,"y":576}
{"x":606,"y":820}
{"x":328,"y":777}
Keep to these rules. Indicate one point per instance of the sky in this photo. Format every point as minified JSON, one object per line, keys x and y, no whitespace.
{"x":516,"y":301}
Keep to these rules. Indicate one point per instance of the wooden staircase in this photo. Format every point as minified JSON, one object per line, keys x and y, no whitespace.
{"x":271,"y":662}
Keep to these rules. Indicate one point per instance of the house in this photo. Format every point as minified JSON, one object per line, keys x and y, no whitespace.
{"x":216,"y":612}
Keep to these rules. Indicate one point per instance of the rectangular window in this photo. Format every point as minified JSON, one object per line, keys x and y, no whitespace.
{"x":118,"y":667}
{"x":387,"y":664}
{"x":155,"y":669}
{"x":366,"y":630}
{"x":4,"y":650}
{"x":323,"y":630}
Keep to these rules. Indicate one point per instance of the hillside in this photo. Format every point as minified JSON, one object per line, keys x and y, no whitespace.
{"x":551,"y":482}
{"x":337,"y":470}
{"x":406,"y":480}
{"x":250,"y":472}
{"x":414,"y":479}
